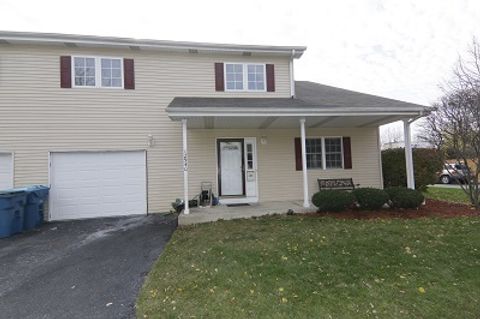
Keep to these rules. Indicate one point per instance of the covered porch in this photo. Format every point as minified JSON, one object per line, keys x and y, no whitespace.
{"x":245,"y":124}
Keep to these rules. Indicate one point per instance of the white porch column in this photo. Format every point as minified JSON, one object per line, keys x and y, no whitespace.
{"x":185,"y":166}
{"x":306,"y":201}
{"x":408,"y":154}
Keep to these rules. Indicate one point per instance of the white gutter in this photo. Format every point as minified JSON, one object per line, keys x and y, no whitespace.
{"x":337,"y":111}
{"x":411,"y":120}
{"x":252,"y":113}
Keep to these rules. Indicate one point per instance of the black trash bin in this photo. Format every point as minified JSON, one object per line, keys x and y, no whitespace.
{"x":33,"y":213}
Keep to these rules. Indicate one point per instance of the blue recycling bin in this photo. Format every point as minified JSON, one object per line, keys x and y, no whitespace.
{"x":12,"y":204}
{"x":34,"y":207}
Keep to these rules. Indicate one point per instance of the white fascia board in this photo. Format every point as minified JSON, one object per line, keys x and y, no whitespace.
{"x":195,"y":112}
{"x":181,"y":115}
{"x":54,"y":38}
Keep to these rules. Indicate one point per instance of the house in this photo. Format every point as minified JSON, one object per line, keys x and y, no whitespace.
{"x":121,"y":126}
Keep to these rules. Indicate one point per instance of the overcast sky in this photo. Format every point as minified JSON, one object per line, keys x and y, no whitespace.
{"x":395,"y":48}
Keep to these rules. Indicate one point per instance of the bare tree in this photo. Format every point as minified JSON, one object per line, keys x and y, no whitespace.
{"x":454,"y":124}
{"x":391,"y":135}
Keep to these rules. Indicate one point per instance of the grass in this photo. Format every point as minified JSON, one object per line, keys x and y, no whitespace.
{"x":455,"y":195}
{"x":294,"y":267}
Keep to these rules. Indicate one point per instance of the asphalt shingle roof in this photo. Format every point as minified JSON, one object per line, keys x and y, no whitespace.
{"x":308,"y":95}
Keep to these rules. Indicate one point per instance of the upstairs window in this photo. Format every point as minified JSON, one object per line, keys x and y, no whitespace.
{"x":256,"y":77}
{"x":84,"y":71}
{"x":234,"y":76}
{"x":111,"y":72}
{"x":244,"y":77}
{"x":97,"y":72}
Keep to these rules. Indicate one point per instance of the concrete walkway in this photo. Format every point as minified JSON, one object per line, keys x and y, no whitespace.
{"x":210,"y":214}
{"x":456,"y":186}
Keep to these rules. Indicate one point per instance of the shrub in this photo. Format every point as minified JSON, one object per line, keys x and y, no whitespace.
{"x":370,"y":198}
{"x":426,"y":162}
{"x":404,"y":197}
{"x":333,"y":200}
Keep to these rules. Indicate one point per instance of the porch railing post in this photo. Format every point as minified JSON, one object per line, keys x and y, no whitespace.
{"x":185,"y":166}
{"x":408,"y":155}
{"x":306,"y":201}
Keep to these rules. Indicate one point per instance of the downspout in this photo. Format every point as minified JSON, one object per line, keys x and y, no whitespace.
{"x":292,"y":75}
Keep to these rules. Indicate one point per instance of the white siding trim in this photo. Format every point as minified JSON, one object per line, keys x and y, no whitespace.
{"x":12,"y":166}
{"x":379,"y":150}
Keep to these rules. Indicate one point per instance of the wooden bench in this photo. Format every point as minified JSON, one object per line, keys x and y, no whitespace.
{"x":336,"y":183}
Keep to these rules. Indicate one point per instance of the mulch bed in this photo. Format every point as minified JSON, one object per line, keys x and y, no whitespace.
{"x":432,"y":208}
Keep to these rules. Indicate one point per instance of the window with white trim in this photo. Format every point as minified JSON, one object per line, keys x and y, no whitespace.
{"x":333,"y":152}
{"x":249,"y":156}
{"x":84,"y":71}
{"x":256,"y":77}
{"x":111,"y":72}
{"x":324,"y":152}
{"x":245,"y":77}
{"x":234,"y":76}
{"x":314,"y":152}
{"x":97,"y":72}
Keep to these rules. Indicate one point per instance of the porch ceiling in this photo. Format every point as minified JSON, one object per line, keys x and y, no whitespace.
{"x":285,"y":122}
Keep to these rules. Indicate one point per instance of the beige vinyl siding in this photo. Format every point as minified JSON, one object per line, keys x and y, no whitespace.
{"x":38,"y":117}
{"x":277,"y":177}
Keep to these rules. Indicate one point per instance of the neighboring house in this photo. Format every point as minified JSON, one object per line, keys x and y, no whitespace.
{"x":104,"y":122}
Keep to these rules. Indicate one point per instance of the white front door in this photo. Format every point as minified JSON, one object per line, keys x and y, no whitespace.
{"x":97,"y":184}
{"x":6,"y":171}
{"x":231,"y":174}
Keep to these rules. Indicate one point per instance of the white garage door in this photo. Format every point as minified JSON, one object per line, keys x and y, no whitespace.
{"x":97,"y":184}
{"x":6,"y":171}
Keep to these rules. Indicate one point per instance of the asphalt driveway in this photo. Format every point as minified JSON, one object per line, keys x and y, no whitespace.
{"x":80,"y":269}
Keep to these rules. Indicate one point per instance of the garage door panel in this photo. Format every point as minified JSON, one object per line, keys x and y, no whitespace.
{"x":86,"y":185}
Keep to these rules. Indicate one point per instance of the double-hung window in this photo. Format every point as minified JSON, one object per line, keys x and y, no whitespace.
{"x":97,"y":72}
{"x":314,"y":152}
{"x":324,"y":152}
{"x":333,"y":152}
{"x":234,"y":77}
{"x":245,"y":77}
{"x":84,"y":71}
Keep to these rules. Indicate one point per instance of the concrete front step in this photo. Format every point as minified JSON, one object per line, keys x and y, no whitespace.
{"x":200,"y":215}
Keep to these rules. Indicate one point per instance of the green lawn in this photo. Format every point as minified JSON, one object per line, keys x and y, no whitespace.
{"x":294,"y":267}
{"x":447,"y":194}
